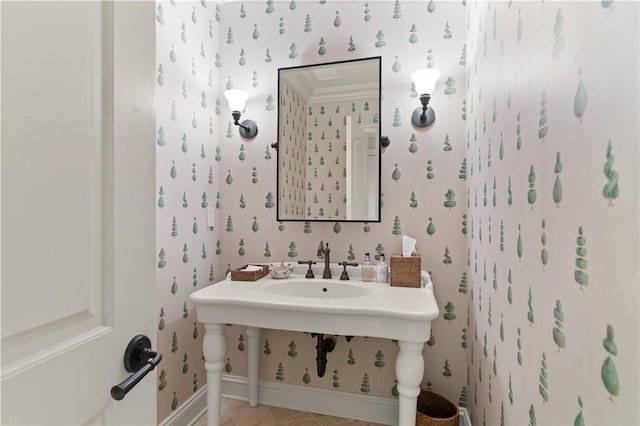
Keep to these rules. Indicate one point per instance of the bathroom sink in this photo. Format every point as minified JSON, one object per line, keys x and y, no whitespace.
{"x":319,"y":289}
{"x":322,"y":306}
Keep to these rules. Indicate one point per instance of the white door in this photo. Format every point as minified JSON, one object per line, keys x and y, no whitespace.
{"x":77,"y":217}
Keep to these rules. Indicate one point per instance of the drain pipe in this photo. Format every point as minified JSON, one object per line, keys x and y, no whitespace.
{"x":323,"y":347}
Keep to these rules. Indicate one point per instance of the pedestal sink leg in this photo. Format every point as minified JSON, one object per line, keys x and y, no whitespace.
{"x":253,"y":335}
{"x":409,"y":371}
{"x":214,"y":347}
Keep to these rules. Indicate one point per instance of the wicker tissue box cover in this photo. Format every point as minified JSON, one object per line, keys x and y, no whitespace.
{"x":405,"y":271}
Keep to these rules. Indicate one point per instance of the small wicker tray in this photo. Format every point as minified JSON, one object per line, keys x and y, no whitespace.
{"x":238,"y":274}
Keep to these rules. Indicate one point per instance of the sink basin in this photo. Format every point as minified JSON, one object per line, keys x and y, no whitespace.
{"x":324,"y":306}
{"x":316,"y":289}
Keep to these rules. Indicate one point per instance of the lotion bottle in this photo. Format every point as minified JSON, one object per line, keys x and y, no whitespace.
{"x":367,"y":268}
{"x":382,"y":274}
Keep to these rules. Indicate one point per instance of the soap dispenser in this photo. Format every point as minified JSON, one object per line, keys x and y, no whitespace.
{"x":367,"y":268}
{"x":382,"y":275}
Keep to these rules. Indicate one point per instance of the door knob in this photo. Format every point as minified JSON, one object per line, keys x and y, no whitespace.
{"x":139,"y":359}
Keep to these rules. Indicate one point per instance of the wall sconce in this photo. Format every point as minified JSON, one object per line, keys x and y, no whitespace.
{"x":237,"y":100}
{"x":425,"y":82}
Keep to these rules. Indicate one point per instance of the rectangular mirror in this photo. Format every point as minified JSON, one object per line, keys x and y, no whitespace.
{"x":329,"y":142}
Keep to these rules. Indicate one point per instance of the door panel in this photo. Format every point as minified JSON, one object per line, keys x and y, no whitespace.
{"x":78,"y":238}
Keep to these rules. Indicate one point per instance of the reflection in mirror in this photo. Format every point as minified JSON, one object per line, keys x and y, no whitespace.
{"x":329,"y":142}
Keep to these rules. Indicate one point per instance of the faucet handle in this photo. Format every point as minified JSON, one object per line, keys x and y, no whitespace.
{"x":309,"y":271}
{"x":344,"y":276}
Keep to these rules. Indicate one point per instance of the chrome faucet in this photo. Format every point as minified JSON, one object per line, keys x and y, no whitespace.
{"x":325,"y":252}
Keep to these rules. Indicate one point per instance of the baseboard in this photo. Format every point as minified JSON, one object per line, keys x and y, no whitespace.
{"x":315,"y":400}
{"x":189,"y":412}
{"x":465,"y":420}
{"x":374,"y":409}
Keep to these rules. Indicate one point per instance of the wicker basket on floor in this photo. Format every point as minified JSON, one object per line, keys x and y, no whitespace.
{"x":436,"y":410}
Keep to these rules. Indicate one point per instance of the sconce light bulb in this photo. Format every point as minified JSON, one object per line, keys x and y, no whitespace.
{"x":237,"y":99}
{"x":425,"y":80}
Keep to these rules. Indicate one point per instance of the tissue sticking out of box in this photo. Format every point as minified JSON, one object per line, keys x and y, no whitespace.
{"x":408,"y":246}
{"x":252,"y":268}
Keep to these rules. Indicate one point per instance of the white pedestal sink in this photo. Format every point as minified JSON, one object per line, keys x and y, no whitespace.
{"x":349,"y":308}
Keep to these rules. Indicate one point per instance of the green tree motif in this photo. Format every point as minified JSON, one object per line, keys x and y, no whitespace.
{"x":397,"y":229}
{"x":579,"y":420}
{"x":162,"y":380}
{"x":292,"y":250}
{"x":519,"y":345}
{"x":447,"y":144}
{"x":463,"y":170}
{"x":557,"y":185}
{"x":543,"y":386}
{"x":364,"y":386}
{"x":450,"y":199}
{"x":580,"y":101}
{"x":462,"y":287}
{"x":280,"y":372}
{"x":351,"y":47}
{"x":531,"y":195}
{"x":413,"y":38}
{"x":185,"y":254}
{"x":367,"y":15}
{"x":580,"y":274}
{"x":229,"y":227}
{"x":447,"y":31}
{"x":174,"y":342}
{"x":558,"y":336}
{"x":306,"y":379}
{"x":509,"y":194}
{"x":608,"y":372}
{"x":413,"y":202}
{"x":270,"y":9}
{"x":229,"y":36}
{"x":350,"y":358}
{"x":161,"y":323}
{"x":397,"y":10}
{"x":462,"y":400}
{"x":194,"y":334}
{"x":336,"y":379}
{"x":174,"y":402}
{"x":446,"y":371}
{"x":430,"y":174}
{"x":449,"y":311}
{"x":241,"y":345}
{"x":292,"y":49}
{"x":379,"y":362}
{"x":432,"y":339}
{"x":544,"y":254}
{"x":450,"y":84}
{"x":292,"y":350}
{"x":397,"y":119}
{"x":431,"y":228}
{"x":519,"y":247}
{"x":543,"y":130}
{"x":558,"y":37}
{"x":307,"y":24}
{"x":530,"y":304}
{"x":269,"y":200}
{"x":518,"y":133}
{"x":380,"y":40}
{"x":447,"y":258}
{"x":610,"y":191}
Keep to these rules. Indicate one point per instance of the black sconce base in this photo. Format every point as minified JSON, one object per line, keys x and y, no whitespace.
{"x":248,"y":129}
{"x":420,"y":120}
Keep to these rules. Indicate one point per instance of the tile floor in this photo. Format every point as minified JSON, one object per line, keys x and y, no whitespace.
{"x":238,"y":413}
